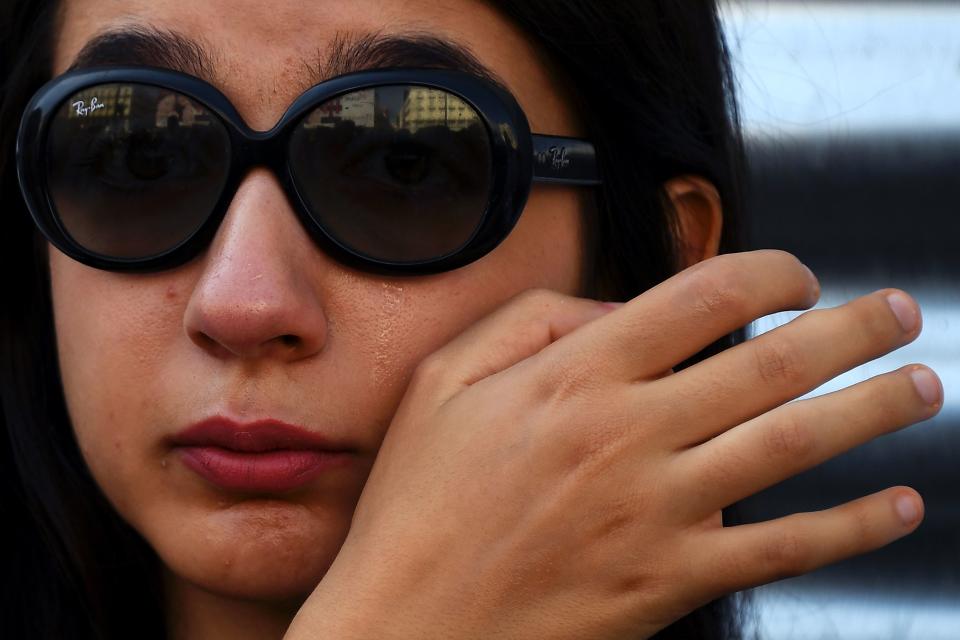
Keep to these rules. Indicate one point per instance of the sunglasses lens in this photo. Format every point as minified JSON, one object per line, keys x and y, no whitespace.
{"x":396,"y":173}
{"x":134,"y":170}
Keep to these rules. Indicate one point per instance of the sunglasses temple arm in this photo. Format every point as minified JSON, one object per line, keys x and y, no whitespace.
{"x":562,"y":160}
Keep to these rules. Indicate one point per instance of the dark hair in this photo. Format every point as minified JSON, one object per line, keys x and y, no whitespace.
{"x":654,"y":83}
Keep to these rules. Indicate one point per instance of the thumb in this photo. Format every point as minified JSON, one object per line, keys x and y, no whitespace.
{"x":514,"y":332}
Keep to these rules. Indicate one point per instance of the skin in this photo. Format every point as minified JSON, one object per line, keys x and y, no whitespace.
{"x":581,"y":489}
{"x":375,"y":359}
{"x":144,"y":356}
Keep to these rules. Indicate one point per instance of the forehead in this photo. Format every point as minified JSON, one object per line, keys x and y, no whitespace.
{"x":262,"y":54}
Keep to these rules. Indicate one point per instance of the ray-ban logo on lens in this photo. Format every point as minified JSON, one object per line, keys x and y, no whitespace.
{"x":556,"y":157}
{"x":84,"y":109}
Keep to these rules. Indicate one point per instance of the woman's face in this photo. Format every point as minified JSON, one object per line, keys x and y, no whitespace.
{"x":263,"y":325}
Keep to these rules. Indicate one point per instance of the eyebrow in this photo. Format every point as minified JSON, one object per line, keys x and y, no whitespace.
{"x":347,"y":52}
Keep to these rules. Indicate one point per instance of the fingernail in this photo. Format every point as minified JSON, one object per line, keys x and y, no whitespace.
{"x":905,"y":310}
{"x":927,"y":384}
{"x":908,"y":509}
{"x":815,"y":290}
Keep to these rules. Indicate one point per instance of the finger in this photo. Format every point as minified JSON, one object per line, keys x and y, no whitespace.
{"x":736,"y":558}
{"x":514,"y":332}
{"x":683,"y":315}
{"x":765,"y":372}
{"x":801,"y":435}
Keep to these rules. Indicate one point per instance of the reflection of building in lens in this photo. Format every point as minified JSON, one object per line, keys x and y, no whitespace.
{"x":175,"y":110}
{"x":358,"y":108}
{"x":114,"y":107}
{"x":424,"y":107}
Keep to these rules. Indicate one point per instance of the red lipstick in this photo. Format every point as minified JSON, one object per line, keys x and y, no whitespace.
{"x":266,"y":456}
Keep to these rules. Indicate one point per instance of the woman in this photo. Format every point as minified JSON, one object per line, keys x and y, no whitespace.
{"x":198,"y":380}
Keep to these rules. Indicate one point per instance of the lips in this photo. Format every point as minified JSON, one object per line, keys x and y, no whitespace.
{"x":267,"y":456}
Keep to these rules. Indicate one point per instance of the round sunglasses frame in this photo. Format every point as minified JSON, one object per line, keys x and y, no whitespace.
{"x":518,"y":159}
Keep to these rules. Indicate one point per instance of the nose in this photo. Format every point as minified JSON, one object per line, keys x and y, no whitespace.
{"x":255,"y":298}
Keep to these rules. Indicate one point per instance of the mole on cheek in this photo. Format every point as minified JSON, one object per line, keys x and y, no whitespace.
{"x":172,"y":293}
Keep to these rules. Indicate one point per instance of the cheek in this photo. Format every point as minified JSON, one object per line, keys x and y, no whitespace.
{"x":112,"y":332}
{"x":382,"y":328}
{"x":546,"y":249}
{"x":417,"y":316}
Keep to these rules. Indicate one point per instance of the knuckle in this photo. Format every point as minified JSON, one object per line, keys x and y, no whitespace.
{"x":760,"y":259}
{"x":885,"y":401}
{"x":862,"y":528}
{"x":431,"y":369}
{"x":722,"y":468}
{"x":789,"y":438}
{"x":591,"y":449}
{"x":714,"y":289}
{"x":779,"y":362}
{"x":786,"y":554}
{"x":571,"y":378}
{"x":616,"y":519}
{"x":585,"y":443}
{"x":782,"y":256}
{"x":537,"y":298}
{"x":874,"y":326}
{"x":798,"y":283}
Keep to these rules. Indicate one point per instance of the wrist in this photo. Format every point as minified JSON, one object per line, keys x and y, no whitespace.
{"x":350,"y":604}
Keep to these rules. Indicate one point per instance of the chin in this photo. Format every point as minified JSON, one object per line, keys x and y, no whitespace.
{"x":277,"y":586}
{"x":255,"y":552}
{"x":251,"y":578}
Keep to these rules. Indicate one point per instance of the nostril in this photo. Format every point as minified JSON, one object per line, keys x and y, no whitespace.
{"x":290,"y":341}
{"x":204,"y":340}
{"x":208,"y":343}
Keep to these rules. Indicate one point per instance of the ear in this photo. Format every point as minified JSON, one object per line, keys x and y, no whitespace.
{"x":699,"y":218}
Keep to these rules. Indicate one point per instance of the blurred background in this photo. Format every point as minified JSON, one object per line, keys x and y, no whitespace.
{"x":852,"y":116}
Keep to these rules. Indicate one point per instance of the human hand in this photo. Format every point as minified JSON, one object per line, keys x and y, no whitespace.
{"x":547,"y":476}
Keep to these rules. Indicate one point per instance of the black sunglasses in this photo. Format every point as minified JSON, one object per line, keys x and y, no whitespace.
{"x":398,"y":171}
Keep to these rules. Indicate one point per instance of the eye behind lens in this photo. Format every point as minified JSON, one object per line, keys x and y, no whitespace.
{"x":398,"y":173}
{"x":133,"y":169}
{"x":408,"y":164}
